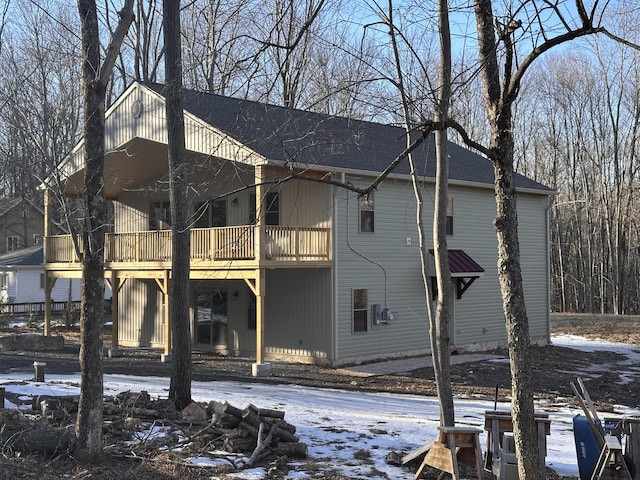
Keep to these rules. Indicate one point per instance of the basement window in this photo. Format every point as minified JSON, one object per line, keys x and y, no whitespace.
{"x":360,"y":313}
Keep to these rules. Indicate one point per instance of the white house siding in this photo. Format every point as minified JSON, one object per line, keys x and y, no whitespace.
{"x":24,"y":285}
{"x":479,"y":320}
{"x":298,"y":320}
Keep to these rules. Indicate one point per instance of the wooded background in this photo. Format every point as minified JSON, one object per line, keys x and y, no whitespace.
{"x":577,"y":116}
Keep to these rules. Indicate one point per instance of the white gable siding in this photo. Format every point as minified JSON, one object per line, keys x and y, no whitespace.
{"x":479,"y":319}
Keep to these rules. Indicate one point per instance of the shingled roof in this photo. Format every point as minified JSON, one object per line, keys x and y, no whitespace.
{"x":23,"y":257}
{"x":289,"y":135}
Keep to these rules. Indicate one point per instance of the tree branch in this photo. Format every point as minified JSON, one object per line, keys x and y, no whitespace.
{"x":618,"y":39}
{"x":468,"y":140}
{"x":126,"y":18}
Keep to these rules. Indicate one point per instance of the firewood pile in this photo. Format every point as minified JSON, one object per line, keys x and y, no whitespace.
{"x":136,"y":424}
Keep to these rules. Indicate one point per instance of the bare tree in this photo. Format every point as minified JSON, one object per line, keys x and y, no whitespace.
{"x":497,"y":44}
{"x":95,"y":75}
{"x":180,"y":387}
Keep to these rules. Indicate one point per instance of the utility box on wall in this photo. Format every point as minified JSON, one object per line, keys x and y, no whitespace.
{"x":376,"y":314}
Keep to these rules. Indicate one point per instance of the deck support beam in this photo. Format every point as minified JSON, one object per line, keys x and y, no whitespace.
{"x":48,"y":287}
{"x":260,"y":368}
{"x":115,"y":285}
{"x":164,"y":287}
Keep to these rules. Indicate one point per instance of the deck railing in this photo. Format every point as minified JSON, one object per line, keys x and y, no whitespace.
{"x":207,"y":244}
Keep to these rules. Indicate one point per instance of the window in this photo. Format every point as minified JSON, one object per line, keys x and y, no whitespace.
{"x":211,"y":214}
{"x":4,"y":281}
{"x":360,"y":320}
{"x":272,"y":215}
{"x":42,"y":281}
{"x":13,"y":243}
{"x":252,"y":209}
{"x":366,"y":213}
{"x":449,"y":216}
{"x":160,"y":216}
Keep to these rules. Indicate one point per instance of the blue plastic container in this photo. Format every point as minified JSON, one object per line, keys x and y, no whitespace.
{"x":587,"y":448}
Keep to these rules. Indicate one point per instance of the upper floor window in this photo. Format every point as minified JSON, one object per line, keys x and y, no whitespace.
{"x":160,"y":216}
{"x":211,"y":214}
{"x":366,"y":213}
{"x":360,"y":310}
{"x":13,"y":243}
{"x":449,"y":215}
{"x":272,"y":204}
{"x":272,"y":217}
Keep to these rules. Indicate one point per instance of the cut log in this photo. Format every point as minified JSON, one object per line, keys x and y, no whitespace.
{"x":253,"y":431}
{"x":239,"y":445}
{"x":293,"y":450}
{"x":267,"y":412}
{"x":226,"y":420}
{"x":222,"y":408}
{"x":21,"y":434}
{"x":251,"y":417}
{"x":284,"y":435}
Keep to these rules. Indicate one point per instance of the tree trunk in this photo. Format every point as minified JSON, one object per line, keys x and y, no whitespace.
{"x":498,"y":104}
{"x":180,"y":386}
{"x":438,"y":322}
{"x":517,"y":322}
{"x":442,"y":353}
{"x":89,"y":437}
{"x":89,"y":423}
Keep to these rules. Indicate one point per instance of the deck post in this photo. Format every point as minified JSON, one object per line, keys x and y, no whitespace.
{"x":47,"y":288}
{"x":48,"y":285}
{"x":166,"y":356}
{"x":115,"y":314}
{"x":260,"y":369}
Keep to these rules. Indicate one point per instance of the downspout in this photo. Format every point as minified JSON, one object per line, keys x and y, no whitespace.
{"x":334,"y":290}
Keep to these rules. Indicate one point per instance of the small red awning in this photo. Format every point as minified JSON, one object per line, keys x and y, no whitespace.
{"x":460,"y":263}
{"x":464,"y":269}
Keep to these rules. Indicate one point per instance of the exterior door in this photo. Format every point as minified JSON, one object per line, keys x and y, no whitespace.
{"x":211,"y":318}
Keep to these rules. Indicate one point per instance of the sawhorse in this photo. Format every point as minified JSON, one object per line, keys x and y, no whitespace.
{"x":454,"y":445}
{"x":611,"y":464}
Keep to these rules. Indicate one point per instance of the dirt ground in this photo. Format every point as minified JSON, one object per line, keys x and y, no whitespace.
{"x":554,"y":368}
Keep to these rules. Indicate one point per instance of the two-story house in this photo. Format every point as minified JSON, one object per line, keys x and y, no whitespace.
{"x":285,"y":262}
{"x":20,"y":224}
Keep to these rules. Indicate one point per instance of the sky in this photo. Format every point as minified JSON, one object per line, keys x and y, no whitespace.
{"x":338,"y":425}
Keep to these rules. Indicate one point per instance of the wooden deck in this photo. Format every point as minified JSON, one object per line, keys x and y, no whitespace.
{"x":210,"y":248}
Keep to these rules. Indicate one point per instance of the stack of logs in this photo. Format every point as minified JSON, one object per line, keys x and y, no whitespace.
{"x":257,"y":430}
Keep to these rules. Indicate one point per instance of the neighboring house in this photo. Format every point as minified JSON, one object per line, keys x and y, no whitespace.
{"x":21,"y":224}
{"x":314,"y":273}
{"x":22,"y":279}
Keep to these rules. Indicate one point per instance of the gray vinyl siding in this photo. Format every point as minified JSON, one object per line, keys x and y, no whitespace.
{"x":380,"y":262}
{"x":478,"y":316}
{"x":534,"y":259}
{"x":298,"y":314}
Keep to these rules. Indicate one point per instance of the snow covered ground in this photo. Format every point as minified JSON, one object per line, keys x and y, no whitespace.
{"x":348,"y":431}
